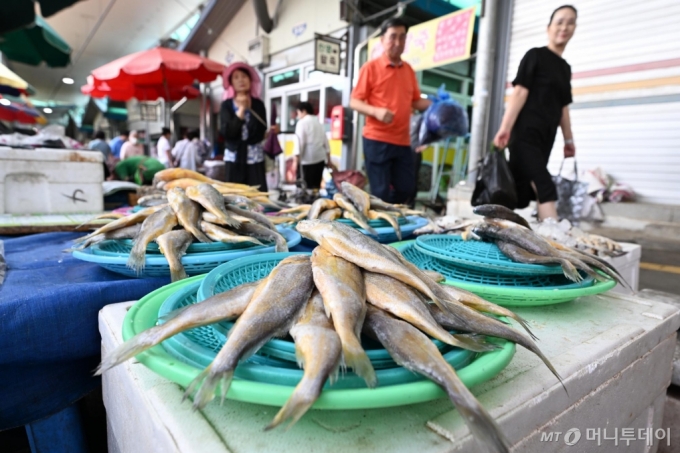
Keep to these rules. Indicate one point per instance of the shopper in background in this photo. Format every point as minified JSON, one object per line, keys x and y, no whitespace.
{"x":138,"y":169}
{"x":117,"y":143}
{"x":99,"y":144}
{"x":164,"y":149}
{"x":189,"y":156}
{"x":243,"y":126}
{"x":132,"y":147}
{"x":539,"y":104}
{"x":313,"y":150}
{"x":387,"y":92}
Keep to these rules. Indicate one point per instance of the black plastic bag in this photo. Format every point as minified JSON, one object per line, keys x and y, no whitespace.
{"x":495,"y":184}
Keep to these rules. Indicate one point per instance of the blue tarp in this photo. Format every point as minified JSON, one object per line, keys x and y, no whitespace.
{"x":49,"y":337}
{"x":49,"y":334}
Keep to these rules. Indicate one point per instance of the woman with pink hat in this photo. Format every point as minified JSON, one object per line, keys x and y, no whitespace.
{"x":243,"y":126}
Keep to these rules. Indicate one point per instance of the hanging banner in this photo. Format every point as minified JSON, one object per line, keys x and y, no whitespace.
{"x":437,"y":42}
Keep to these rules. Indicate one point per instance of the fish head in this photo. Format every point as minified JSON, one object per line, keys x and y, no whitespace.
{"x":175,"y":194}
{"x":310,"y":228}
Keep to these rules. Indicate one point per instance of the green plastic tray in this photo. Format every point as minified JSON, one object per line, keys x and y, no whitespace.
{"x":524,"y":297}
{"x":144,"y":315}
{"x":199,"y":346}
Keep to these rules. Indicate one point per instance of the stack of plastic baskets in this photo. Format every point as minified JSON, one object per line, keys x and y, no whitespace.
{"x":483,"y":269}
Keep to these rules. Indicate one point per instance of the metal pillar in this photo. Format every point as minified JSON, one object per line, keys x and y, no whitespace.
{"x":484,"y":72}
{"x":504,"y":26}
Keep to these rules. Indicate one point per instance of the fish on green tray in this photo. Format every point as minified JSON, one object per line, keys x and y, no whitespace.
{"x":318,"y":350}
{"x":274,"y":308}
{"x":414,"y":351}
{"x":220,"y":307}
{"x":341,"y":285}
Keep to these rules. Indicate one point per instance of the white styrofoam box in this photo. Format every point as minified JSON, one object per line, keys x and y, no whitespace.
{"x":613,"y":351}
{"x":628,"y":265}
{"x":50,"y":181}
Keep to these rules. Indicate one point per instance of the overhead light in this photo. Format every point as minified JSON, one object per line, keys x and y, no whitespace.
{"x":67,"y":80}
{"x":47,"y":110}
{"x":5,"y":102}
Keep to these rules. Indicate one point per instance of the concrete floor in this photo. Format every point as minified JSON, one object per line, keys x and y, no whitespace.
{"x":665,"y":278}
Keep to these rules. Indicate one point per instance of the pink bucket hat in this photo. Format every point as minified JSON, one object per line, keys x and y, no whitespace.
{"x":255,"y":82}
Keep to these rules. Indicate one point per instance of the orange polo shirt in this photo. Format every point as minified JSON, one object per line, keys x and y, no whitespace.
{"x":382,"y":84}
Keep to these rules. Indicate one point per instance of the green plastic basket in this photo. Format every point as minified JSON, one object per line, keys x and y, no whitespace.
{"x":198,"y":347}
{"x":477,"y":255}
{"x":515,"y":296}
{"x":144,"y":314}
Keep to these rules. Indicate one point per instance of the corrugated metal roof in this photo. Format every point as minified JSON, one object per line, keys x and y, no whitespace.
{"x":215,"y":17}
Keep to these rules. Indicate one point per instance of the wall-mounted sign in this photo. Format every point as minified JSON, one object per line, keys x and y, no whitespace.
{"x":299,"y":29}
{"x":438,"y":42}
{"x":326,"y":56}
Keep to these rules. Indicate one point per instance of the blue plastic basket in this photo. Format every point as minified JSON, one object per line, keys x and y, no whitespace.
{"x":477,"y":255}
{"x":199,"y":346}
{"x":157,"y":265}
{"x":456,"y":274}
{"x":387,"y":234}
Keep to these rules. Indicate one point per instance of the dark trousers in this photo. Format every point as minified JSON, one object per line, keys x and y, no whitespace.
{"x":390,"y":170}
{"x":312,"y":174}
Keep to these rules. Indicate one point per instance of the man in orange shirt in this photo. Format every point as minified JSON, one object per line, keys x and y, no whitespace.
{"x":387,"y":92}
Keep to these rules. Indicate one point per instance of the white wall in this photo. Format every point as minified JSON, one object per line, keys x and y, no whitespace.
{"x":319,"y":16}
{"x":625,"y":59}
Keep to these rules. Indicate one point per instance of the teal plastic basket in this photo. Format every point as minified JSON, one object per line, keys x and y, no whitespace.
{"x":467,"y":275}
{"x":477,"y":255}
{"x":157,"y":265}
{"x":199,"y":346}
{"x":510,"y":294}
{"x":125,"y":246}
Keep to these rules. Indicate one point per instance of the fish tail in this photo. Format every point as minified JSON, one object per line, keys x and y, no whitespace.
{"x":475,"y":343}
{"x":137,"y":259}
{"x":229,"y":220}
{"x":208,"y":381}
{"x":355,"y":357}
{"x":482,"y":427}
{"x":201,"y":236}
{"x":281,"y":245}
{"x":523,"y":322}
{"x":533,"y":348}
{"x":178,"y":272}
{"x":570,"y":271}
{"x":134,"y":346}
{"x":296,"y":406}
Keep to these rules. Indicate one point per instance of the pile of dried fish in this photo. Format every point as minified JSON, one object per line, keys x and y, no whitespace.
{"x":515,"y":238}
{"x":567,"y":234}
{"x":199,"y":213}
{"x":172,"y":178}
{"x":351,"y":285}
{"x":353,"y":204}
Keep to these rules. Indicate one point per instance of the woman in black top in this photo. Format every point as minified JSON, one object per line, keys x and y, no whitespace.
{"x":243,"y":126}
{"x":538,"y":104}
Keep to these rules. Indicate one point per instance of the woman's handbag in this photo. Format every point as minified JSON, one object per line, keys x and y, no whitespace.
{"x":571,"y":195}
{"x":495,"y":184}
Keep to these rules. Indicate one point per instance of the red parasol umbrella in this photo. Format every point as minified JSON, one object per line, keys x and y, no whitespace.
{"x":98,"y":89}
{"x":15,"y":112}
{"x":158,"y":67}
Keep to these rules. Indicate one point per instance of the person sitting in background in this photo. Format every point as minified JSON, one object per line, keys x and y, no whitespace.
{"x":164,"y":149}
{"x":117,"y":143}
{"x":189,"y":157}
{"x":132,"y":147}
{"x":138,"y":169}
{"x":313,"y":149}
{"x":99,"y":144}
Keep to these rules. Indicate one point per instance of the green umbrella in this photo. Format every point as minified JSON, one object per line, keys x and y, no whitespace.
{"x":15,"y":14}
{"x":34,"y":44}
